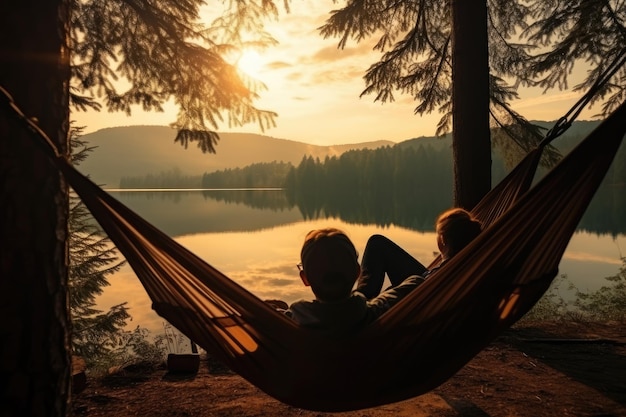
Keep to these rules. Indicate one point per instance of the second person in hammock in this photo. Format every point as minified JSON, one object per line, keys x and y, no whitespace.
{"x":455,"y":229}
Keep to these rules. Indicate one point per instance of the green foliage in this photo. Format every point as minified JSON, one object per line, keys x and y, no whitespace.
{"x":260,"y":175}
{"x":92,"y":258}
{"x":609,"y":302}
{"x":572,"y":32}
{"x":175,"y":341}
{"x":553,"y":305}
{"x":606,"y":304}
{"x":173,"y":178}
{"x":414,"y":39}
{"x":416,"y":53}
{"x":370,"y":185}
{"x":132,"y":52}
{"x":128,"y":347}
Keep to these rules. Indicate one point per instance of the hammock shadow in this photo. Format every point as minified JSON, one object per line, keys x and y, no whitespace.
{"x":178,"y":376}
{"x":465,"y":408}
{"x":599,"y":364}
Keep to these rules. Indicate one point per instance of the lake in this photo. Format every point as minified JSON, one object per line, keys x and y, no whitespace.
{"x":254,"y":237}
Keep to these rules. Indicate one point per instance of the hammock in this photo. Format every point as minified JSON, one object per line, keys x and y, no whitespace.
{"x":414,"y":347}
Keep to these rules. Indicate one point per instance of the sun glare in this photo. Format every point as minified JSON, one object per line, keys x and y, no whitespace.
{"x":250,"y":62}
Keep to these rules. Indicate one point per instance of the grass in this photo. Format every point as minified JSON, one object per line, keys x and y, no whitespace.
{"x":606,"y":304}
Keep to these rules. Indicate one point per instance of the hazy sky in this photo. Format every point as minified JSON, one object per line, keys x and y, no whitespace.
{"x":315,"y":88}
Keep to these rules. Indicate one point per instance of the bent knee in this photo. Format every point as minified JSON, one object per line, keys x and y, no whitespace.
{"x":378,"y":241}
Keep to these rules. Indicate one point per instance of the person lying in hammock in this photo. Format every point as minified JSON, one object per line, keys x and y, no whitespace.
{"x":330,"y":267}
{"x":455,"y":228}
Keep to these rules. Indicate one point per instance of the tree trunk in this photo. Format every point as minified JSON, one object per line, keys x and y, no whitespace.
{"x":471,"y":145}
{"x":34,"y":318}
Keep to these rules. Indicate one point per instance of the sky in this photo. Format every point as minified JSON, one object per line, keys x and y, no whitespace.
{"x":315,"y":87}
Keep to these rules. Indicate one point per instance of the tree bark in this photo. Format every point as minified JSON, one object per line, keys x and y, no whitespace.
{"x":471,"y":145}
{"x":34,"y":317}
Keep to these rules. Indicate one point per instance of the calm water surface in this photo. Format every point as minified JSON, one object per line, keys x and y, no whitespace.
{"x":257,"y":245}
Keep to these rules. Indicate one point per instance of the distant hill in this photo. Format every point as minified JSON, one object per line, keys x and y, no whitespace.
{"x":137,"y":151}
{"x":141,"y":150}
{"x":577,"y":131}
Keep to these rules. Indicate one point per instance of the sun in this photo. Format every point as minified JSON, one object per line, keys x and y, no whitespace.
{"x":250,"y":63}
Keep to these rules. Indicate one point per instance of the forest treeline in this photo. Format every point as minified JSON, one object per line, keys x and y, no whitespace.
{"x":365,"y":168}
{"x":385,"y":184}
{"x":259,"y":175}
{"x":173,"y":178}
{"x":405,"y":185}
{"x":404,"y":169}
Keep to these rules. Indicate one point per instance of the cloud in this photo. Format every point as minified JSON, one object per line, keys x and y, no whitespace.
{"x":345,"y":76}
{"x":546,"y":99}
{"x":283,"y":268}
{"x":296,"y":76}
{"x":333,"y":54}
{"x":281,"y":282}
{"x":277,"y":65}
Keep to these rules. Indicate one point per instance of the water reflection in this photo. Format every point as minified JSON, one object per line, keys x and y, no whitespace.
{"x":180,"y":213}
{"x":184,"y":212}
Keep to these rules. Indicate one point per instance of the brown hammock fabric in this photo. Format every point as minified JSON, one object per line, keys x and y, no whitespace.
{"x":414,"y":347}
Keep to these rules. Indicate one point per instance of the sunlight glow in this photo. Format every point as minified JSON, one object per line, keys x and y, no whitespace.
{"x":250,"y":63}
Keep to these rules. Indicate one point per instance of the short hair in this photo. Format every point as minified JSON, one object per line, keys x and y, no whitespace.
{"x":458,"y":228}
{"x":333,"y":285}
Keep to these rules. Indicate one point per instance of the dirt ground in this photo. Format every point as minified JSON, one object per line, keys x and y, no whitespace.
{"x":533,"y":370}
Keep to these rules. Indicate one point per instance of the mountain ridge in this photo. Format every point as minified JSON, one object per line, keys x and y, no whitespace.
{"x":137,"y":151}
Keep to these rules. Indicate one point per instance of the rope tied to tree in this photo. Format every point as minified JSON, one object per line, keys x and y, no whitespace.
{"x":31,"y":124}
{"x":566,"y":121}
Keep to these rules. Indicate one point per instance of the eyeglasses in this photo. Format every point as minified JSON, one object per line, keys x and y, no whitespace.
{"x":299,"y":266}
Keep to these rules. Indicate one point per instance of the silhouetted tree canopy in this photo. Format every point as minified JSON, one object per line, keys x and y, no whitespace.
{"x":530,"y":44}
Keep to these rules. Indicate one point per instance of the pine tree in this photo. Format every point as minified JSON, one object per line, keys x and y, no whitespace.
{"x":92,"y":257}
{"x":99,"y":54}
{"x":532,"y":43}
{"x":573,"y":32}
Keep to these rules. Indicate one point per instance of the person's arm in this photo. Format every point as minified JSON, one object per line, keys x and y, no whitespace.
{"x":390,"y":297}
{"x":277,"y":304}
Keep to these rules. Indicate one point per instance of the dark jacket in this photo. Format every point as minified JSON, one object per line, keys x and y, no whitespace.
{"x":351,"y":313}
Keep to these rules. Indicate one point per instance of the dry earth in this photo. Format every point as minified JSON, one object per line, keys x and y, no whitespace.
{"x":534,"y":370}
